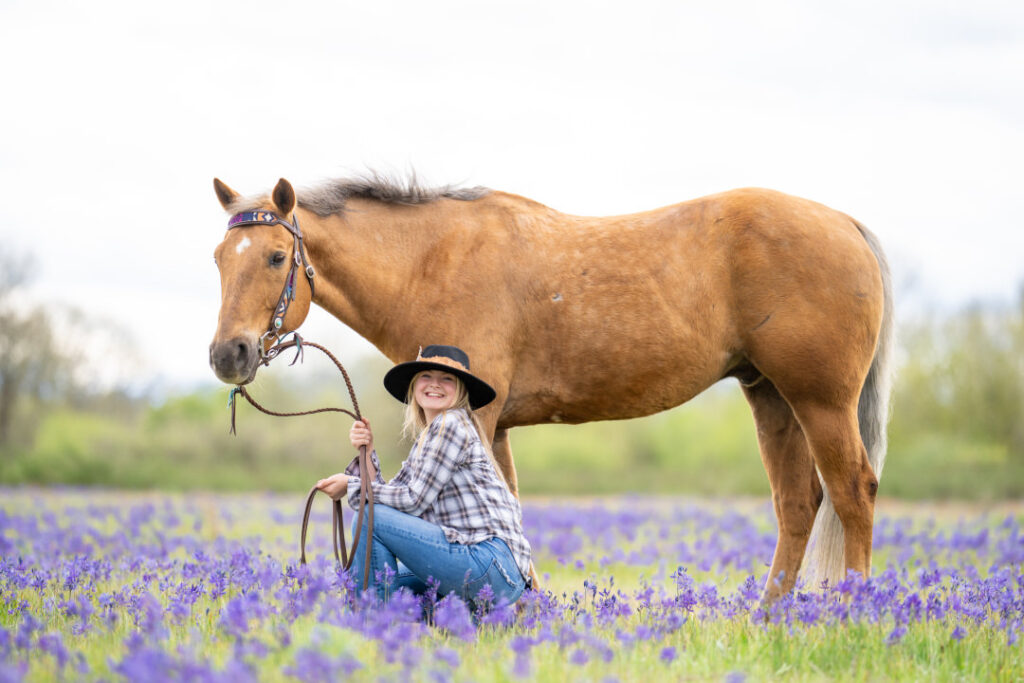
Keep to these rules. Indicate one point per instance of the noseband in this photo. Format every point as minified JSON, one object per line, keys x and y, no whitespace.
{"x":246,"y":218}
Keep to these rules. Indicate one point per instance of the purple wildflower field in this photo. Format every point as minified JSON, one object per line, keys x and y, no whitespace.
{"x":204,"y":587}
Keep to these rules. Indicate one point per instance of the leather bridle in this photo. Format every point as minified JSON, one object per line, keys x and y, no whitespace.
{"x":299,"y":258}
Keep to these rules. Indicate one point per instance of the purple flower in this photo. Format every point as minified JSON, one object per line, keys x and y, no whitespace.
{"x":896,"y":635}
{"x":218,"y":582}
{"x":13,"y":672}
{"x":240,"y":610}
{"x":448,"y":656}
{"x":385,"y":577}
{"x":808,"y":608}
{"x":452,"y":615}
{"x":708,"y":595}
{"x":145,"y":663}
{"x":82,"y":608}
{"x":673,"y":622}
{"x":313,"y":666}
{"x":161,"y":574}
{"x":268,"y":574}
{"x":52,"y":644}
{"x":485,"y":595}
{"x":410,"y":656}
{"x":23,"y":638}
{"x":440,"y":676}
{"x":521,"y":665}
{"x":750,"y":591}
{"x":520,"y":644}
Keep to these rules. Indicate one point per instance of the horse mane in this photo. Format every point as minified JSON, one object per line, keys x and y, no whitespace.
{"x":330,"y":198}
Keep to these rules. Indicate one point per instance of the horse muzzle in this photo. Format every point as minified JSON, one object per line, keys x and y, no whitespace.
{"x":235,"y":361}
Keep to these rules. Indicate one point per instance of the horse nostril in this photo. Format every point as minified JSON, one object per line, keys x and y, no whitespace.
{"x":232,"y":361}
{"x":243,"y":352}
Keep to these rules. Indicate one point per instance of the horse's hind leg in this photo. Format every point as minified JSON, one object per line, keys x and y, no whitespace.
{"x":796,"y":493}
{"x":834,"y":437}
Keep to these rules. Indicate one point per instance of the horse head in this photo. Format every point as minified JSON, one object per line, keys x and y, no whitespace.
{"x":265,"y":280}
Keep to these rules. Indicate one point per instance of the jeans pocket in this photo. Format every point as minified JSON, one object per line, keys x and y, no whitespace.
{"x":473,"y":586}
{"x":501,"y":582}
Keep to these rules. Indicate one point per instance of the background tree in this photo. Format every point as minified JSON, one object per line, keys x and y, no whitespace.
{"x":32,"y":366}
{"x":963,"y":376}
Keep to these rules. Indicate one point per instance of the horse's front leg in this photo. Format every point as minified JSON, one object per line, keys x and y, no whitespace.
{"x":502,"y":449}
{"x":500,"y":446}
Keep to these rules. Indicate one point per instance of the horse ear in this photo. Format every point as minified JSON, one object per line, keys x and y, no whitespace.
{"x":224,"y":193}
{"x":284,"y":197}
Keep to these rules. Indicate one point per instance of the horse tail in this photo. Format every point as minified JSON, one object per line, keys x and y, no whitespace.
{"x":827,"y":560}
{"x":873,"y":408}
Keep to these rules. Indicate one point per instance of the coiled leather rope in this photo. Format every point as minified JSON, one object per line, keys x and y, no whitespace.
{"x":366,"y":491}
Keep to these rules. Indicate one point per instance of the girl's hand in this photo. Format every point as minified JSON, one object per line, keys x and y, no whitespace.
{"x":361,"y":435}
{"x":334,"y":486}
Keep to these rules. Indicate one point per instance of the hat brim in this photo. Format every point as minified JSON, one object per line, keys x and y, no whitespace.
{"x":397,"y":380}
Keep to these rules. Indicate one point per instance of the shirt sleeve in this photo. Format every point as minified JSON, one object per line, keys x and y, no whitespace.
{"x":428,"y":469}
{"x":354,"y":481}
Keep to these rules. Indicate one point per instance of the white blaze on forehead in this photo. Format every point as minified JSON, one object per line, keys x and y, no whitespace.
{"x":243,"y":245}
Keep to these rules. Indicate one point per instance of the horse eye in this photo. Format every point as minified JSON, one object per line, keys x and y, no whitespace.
{"x":277,"y":259}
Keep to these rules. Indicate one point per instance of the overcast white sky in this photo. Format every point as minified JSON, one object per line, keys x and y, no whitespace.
{"x":117,"y":114}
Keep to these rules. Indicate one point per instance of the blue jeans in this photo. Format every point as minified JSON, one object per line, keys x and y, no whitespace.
{"x":417,"y":550}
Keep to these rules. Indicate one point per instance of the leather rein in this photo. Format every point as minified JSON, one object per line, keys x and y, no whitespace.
{"x":366,"y":497}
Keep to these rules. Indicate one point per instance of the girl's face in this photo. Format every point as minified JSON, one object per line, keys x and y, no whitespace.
{"x":435,"y":391}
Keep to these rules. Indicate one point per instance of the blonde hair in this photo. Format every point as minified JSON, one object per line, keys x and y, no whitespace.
{"x":415,"y":424}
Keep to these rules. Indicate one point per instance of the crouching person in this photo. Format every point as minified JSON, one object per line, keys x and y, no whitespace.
{"x":448,"y":516}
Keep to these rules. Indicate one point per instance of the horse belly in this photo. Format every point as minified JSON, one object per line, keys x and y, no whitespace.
{"x":623,"y":347}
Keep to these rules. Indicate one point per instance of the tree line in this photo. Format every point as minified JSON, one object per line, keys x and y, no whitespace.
{"x":956,"y":428}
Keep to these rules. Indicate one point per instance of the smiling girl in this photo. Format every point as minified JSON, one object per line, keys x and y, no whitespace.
{"x":447,"y":516}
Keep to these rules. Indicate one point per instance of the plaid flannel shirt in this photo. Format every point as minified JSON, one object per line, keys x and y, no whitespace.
{"x":449,"y":480}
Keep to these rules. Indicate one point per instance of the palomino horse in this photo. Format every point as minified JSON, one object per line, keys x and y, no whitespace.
{"x":573,"y":319}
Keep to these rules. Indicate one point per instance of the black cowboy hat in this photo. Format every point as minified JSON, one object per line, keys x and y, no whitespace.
{"x":438,"y":357}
